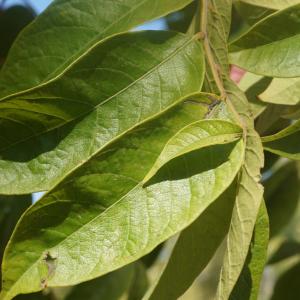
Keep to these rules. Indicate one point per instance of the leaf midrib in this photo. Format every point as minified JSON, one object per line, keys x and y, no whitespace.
{"x":139,"y":184}
{"x":83,"y":52}
{"x":109,"y":98}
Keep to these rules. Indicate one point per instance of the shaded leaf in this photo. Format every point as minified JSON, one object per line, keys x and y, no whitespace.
{"x":287,"y":287}
{"x":121,"y":83}
{"x":12,"y":21}
{"x":285,"y":143}
{"x":69,"y":240}
{"x":66,"y":31}
{"x":286,"y":250}
{"x":182,"y":19}
{"x":256,"y":105}
{"x":282,"y":192}
{"x":140,"y":283}
{"x":252,"y":12}
{"x":11,"y":209}
{"x":203,"y":133}
{"x":194,"y":248}
{"x":269,"y":48}
{"x":109,"y":287}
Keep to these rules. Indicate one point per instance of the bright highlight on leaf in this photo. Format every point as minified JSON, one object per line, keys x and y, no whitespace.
{"x":152,"y":160}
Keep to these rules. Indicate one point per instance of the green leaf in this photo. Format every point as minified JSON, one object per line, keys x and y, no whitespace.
{"x":282,"y":91}
{"x":285,"y":143}
{"x":282,"y":192}
{"x":256,"y":105}
{"x":194,"y":248}
{"x":248,"y":284}
{"x":119,"y":84}
{"x":203,"y":133}
{"x":109,"y":287}
{"x":140,"y":283}
{"x":250,"y":12}
{"x":69,"y":240}
{"x":66,"y":31}
{"x":269,"y":48}
{"x":35,"y":296}
{"x":11,"y":209}
{"x":12,"y":21}
{"x":273,"y":4}
{"x":249,"y":191}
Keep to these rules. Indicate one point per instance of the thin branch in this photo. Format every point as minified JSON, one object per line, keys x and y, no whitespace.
{"x":211,"y":61}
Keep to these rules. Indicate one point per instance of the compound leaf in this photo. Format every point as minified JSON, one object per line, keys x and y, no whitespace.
{"x":118,"y":85}
{"x":64,"y":239}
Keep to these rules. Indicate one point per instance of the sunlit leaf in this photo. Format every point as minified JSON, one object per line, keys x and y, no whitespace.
{"x":119,"y":84}
{"x":282,"y":91}
{"x":70,"y":240}
{"x":248,"y":284}
{"x":274,"y":4}
{"x":66,"y":31}
{"x":194,"y":248}
{"x":269,"y":48}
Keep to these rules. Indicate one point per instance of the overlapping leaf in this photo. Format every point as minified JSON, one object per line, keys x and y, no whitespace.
{"x":194,"y":248}
{"x":285,"y":143}
{"x":249,"y":191}
{"x":109,"y":287}
{"x":195,"y":136}
{"x":117,"y":85}
{"x":282,"y":91}
{"x":248,"y":284}
{"x":101,"y":217}
{"x":66,"y":31}
{"x":269,"y":48}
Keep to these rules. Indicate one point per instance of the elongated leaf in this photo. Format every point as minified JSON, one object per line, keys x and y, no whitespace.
{"x":273,"y":4}
{"x":282,"y":192}
{"x":11,"y":209}
{"x":282,"y":91}
{"x":66,"y":31}
{"x":194,"y":248}
{"x":248,"y":284}
{"x":250,"y":12}
{"x":119,"y":84}
{"x":69,"y":240}
{"x":285,"y":143}
{"x":249,"y":191}
{"x":248,"y":201}
{"x":109,"y":287}
{"x":195,"y":136}
{"x":270,"y":47}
